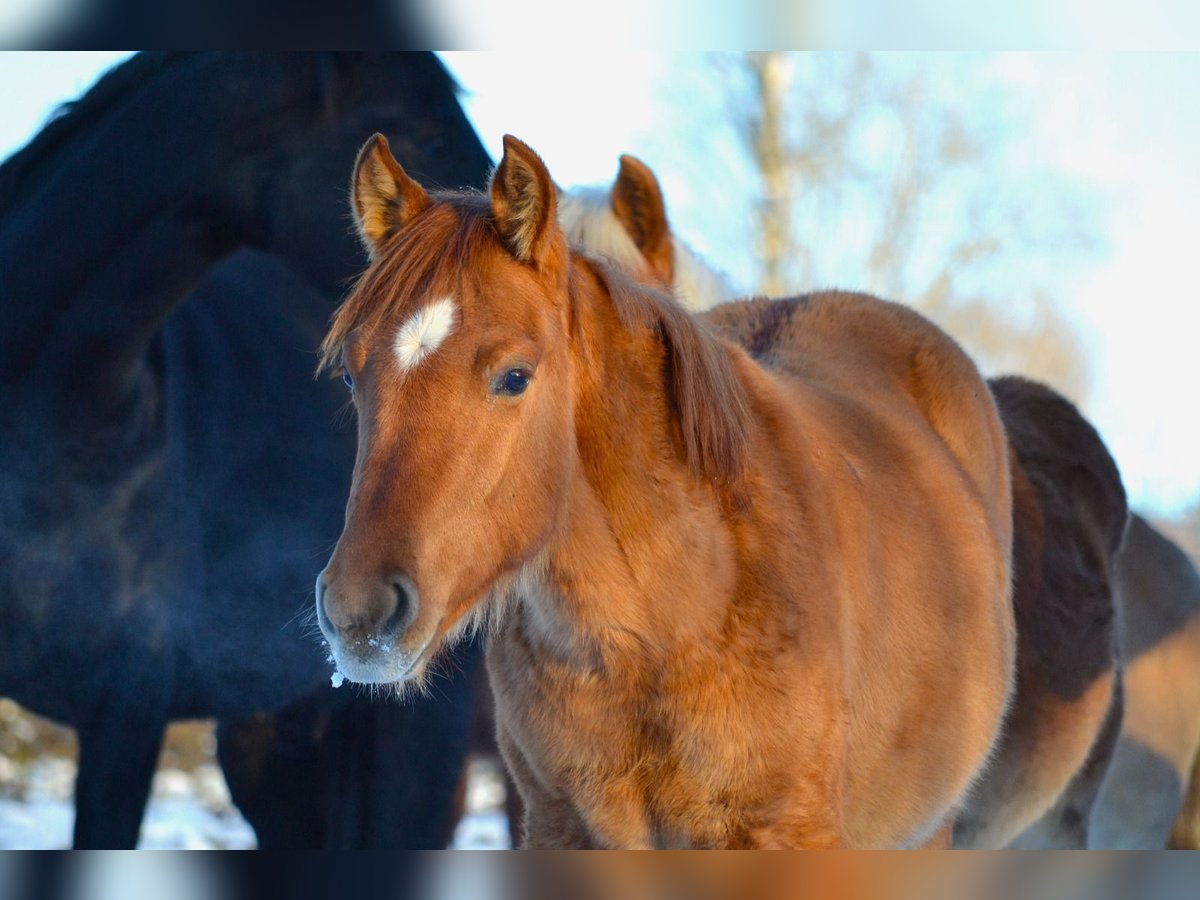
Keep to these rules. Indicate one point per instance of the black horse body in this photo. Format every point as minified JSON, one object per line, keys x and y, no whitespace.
{"x":171,"y":477}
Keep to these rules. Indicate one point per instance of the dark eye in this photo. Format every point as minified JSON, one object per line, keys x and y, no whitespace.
{"x":513,"y":382}
{"x":348,"y":378}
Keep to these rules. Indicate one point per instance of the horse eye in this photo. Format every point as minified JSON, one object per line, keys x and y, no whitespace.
{"x":346,"y":377}
{"x":513,"y":382}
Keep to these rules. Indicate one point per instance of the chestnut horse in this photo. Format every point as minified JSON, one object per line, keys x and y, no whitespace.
{"x":733,"y":601}
{"x":1067,"y":518}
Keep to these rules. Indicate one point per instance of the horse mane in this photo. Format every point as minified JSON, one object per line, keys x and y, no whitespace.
{"x":710,"y":405}
{"x":588,"y":220}
{"x":74,"y":116}
{"x":452,"y":236}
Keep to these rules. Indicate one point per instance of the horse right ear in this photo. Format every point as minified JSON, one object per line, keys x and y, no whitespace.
{"x":637,"y":202}
{"x":382,"y":195}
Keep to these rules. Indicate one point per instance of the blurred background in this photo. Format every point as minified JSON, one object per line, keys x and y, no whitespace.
{"x":608,"y":876}
{"x":1043,"y":208}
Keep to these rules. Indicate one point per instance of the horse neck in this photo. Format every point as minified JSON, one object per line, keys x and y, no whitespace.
{"x":643,"y":538}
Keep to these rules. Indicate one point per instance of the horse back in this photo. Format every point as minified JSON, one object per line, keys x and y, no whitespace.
{"x":857,"y":345}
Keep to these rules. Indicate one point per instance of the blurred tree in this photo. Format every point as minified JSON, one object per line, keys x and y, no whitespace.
{"x":875,"y":175}
{"x":769,"y":147}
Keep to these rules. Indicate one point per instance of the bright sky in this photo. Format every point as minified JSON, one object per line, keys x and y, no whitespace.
{"x":1126,"y":124}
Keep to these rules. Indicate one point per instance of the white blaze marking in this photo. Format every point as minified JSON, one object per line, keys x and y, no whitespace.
{"x":424,"y":332}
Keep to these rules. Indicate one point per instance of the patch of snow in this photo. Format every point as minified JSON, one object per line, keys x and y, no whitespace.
{"x":35,"y":824}
{"x":482,"y":831}
{"x":185,"y":812}
{"x":192,"y":811}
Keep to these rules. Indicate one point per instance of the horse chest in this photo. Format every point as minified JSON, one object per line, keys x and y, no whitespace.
{"x":665,"y":768}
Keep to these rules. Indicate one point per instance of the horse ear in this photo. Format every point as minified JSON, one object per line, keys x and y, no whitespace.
{"x":637,"y":202}
{"x":524,"y":202}
{"x":383,"y":197}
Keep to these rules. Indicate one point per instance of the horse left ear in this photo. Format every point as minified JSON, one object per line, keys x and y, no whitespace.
{"x":637,"y":202}
{"x":383,"y":197}
{"x":524,"y":202}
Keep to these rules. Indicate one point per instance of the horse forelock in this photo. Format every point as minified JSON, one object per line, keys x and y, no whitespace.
{"x":697,"y":284}
{"x":440,"y":246}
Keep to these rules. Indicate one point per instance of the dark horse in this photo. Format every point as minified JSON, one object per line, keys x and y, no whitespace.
{"x":171,"y":248}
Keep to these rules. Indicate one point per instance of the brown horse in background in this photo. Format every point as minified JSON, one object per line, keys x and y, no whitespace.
{"x":740,"y":596}
{"x":1158,"y":756}
{"x":1069,"y":518}
{"x":1069,"y":515}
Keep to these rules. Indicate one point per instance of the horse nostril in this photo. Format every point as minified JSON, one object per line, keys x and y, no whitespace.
{"x":405,"y":605}
{"x":322,"y":615}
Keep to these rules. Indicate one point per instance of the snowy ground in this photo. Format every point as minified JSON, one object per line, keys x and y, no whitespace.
{"x":190,"y":810}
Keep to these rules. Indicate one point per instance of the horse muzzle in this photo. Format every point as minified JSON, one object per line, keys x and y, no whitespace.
{"x":366,"y":623}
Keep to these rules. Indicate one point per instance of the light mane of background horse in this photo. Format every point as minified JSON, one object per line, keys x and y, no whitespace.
{"x":587,"y":217}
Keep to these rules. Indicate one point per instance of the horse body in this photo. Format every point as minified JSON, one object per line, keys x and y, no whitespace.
{"x":171,"y":479}
{"x":751,"y":601}
{"x":754,"y":676}
{"x":1158,"y":594}
{"x":1068,"y":506}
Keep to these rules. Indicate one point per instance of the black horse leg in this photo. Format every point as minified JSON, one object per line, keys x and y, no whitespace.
{"x":396,"y":767}
{"x":117,"y":758}
{"x":275,"y":767}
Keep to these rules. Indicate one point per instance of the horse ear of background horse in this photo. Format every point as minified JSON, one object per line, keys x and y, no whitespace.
{"x":170,"y":477}
{"x":637,"y":202}
{"x":628,"y":223}
{"x":1130,"y":787}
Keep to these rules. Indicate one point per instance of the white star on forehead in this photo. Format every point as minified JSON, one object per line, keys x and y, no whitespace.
{"x":424,"y":332}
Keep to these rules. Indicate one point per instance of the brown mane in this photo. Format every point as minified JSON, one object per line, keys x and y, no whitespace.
{"x":452,"y":238}
{"x":707,"y":399}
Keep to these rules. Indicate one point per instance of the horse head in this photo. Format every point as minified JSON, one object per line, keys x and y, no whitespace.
{"x":455,"y":345}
